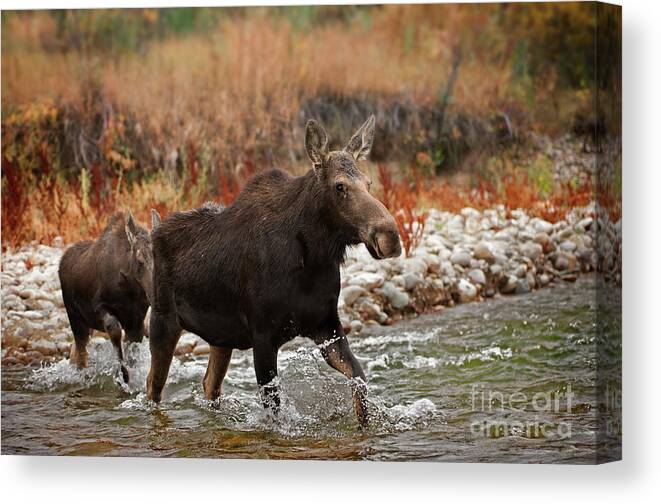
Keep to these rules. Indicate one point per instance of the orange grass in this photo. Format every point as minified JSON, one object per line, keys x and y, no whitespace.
{"x":238,"y":89}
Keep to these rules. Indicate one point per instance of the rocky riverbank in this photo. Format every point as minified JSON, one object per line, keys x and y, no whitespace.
{"x":463,"y":257}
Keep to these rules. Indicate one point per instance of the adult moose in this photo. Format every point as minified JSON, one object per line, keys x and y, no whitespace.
{"x":267,"y":268}
{"x":106,"y":285}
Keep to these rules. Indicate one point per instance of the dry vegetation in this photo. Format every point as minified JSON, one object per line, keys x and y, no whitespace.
{"x":102,"y":110}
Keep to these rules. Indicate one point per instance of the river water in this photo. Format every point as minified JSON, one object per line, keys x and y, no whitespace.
{"x":507,"y":380}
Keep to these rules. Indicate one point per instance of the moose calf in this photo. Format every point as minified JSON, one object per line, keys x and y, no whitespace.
{"x":107,"y":285}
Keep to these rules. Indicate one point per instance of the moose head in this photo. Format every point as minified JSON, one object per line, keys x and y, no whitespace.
{"x":349,"y":206}
{"x":140,"y":260}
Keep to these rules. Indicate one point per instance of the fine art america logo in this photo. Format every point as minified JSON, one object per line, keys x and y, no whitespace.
{"x":537,"y":415}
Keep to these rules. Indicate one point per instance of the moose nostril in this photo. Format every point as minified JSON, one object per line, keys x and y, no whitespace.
{"x":387,"y":241}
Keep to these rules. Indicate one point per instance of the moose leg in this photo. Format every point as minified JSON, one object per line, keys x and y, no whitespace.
{"x":265,"y":356}
{"x":164,"y":334}
{"x":219,"y":361}
{"x":339,"y":356}
{"x":113,"y":328}
{"x":81,"y":335}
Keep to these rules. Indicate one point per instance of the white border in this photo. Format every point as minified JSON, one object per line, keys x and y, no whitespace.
{"x":68,"y":479}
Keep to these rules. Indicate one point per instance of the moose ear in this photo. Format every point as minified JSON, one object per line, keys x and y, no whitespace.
{"x":155,"y":219}
{"x":130,"y":227}
{"x":361,"y":142}
{"x":316,"y":143}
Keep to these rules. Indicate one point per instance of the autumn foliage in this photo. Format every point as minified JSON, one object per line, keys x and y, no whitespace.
{"x":408,"y":197}
{"x":517,"y":192}
{"x":401,"y":199}
{"x":167,"y":108}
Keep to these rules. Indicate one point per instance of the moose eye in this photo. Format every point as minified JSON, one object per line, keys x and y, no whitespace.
{"x":340,"y":187}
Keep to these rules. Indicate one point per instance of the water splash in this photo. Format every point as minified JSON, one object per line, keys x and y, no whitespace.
{"x":138,"y":403}
{"x":416,"y":415}
{"x":315,"y":400}
{"x":103,"y":369}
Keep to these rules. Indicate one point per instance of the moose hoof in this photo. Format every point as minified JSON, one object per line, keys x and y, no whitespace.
{"x":210,"y":394}
{"x":152,"y":395}
{"x":78,"y":359}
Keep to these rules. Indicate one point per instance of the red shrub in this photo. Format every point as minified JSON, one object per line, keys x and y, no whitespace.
{"x":566,"y":197}
{"x":516,"y":192}
{"x":15,"y":203}
{"x":401,"y":199}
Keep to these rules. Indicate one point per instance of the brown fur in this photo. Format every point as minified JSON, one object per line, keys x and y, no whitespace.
{"x":267,"y":268}
{"x":106,"y":285}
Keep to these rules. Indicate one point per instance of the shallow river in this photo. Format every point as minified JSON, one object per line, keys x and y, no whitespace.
{"x":508,"y":380}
